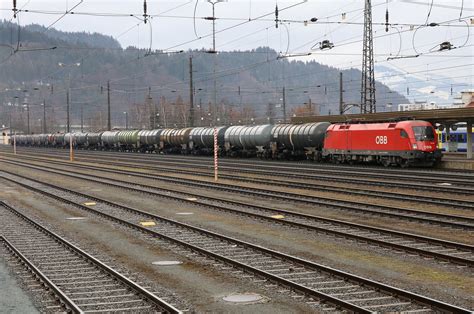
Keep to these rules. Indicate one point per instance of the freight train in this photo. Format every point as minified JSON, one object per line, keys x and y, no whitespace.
{"x":402,"y":143}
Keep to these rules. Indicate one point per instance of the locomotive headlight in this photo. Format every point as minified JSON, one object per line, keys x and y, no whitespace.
{"x":415,"y":146}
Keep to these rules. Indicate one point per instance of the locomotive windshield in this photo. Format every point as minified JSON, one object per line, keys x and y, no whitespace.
{"x":423,"y":133}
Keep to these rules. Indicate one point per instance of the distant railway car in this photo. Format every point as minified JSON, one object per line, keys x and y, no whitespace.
{"x":395,"y":143}
{"x":457,"y":141}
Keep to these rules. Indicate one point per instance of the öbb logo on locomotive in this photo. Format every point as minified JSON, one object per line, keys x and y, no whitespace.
{"x":381,"y":140}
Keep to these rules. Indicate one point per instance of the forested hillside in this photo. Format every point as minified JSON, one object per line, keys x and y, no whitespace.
{"x":153,"y":87}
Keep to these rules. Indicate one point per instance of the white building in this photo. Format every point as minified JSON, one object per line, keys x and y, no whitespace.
{"x":4,"y":136}
{"x":418,"y":106}
{"x":461,"y":101}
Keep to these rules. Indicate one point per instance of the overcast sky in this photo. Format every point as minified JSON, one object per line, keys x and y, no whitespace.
{"x":172,"y":27}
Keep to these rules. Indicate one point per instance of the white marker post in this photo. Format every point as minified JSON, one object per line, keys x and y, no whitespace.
{"x":71,"y":151}
{"x":215,"y":155}
{"x":14,"y":143}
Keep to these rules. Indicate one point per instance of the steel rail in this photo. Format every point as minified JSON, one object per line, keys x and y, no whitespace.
{"x":464,"y":204}
{"x":352,"y":179}
{"x":363,"y":239}
{"x":285,"y":196}
{"x":57,"y":291}
{"x":150,"y":296}
{"x":432,"y":303}
{"x":365,"y":172}
{"x":301,"y":165}
{"x":301,"y":185}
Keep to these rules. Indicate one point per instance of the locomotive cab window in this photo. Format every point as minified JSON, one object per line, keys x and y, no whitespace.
{"x":403,"y":134}
{"x":423,"y":133}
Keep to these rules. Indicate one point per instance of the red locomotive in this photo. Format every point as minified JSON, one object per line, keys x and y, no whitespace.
{"x":401,"y":143}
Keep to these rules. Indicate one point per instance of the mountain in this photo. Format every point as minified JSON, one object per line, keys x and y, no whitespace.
{"x":153,"y":87}
{"x":420,"y":87}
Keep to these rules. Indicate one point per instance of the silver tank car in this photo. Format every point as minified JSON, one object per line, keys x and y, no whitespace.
{"x":43,"y":139}
{"x":248,"y":140}
{"x":36,"y":140}
{"x":28,"y":140}
{"x":201,"y":139}
{"x":81,"y":139}
{"x":67,"y":139}
{"x":93,"y":140}
{"x":59,"y":139}
{"x":109,"y":139}
{"x":149,"y":140}
{"x":298,"y":140}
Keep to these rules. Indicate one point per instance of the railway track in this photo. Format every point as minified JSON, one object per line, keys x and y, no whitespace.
{"x":457,"y":253}
{"x":316,"y":284}
{"x":435,"y":184}
{"x":303,"y":165}
{"x":314,"y":186}
{"x":462,"y":222}
{"x":81,"y":282}
{"x":278,"y":166}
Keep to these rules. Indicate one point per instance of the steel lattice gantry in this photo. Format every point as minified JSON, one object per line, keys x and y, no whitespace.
{"x":367,"y":102}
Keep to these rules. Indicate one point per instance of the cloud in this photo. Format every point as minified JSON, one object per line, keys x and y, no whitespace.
{"x":442,"y":95}
{"x":426,"y":89}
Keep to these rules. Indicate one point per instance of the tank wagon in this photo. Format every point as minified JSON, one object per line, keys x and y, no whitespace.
{"x":149,"y":140}
{"x":58,"y":140}
{"x":93,"y":140}
{"x":248,"y":141}
{"x":201,"y":140}
{"x":43,"y":140}
{"x":290,"y":141}
{"x":173,"y":141}
{"x":67,"y":139}
{"x":128,"y":140}
{"x":50,"y":140}
{"x":80,"y":140}
{"x":109,"y":140}
{"x":402,"y":143}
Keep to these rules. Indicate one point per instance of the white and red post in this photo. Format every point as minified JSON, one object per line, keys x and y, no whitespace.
{"x":71,"y":150}
{"x":14,"y":143}
{"x":216,"y":148}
